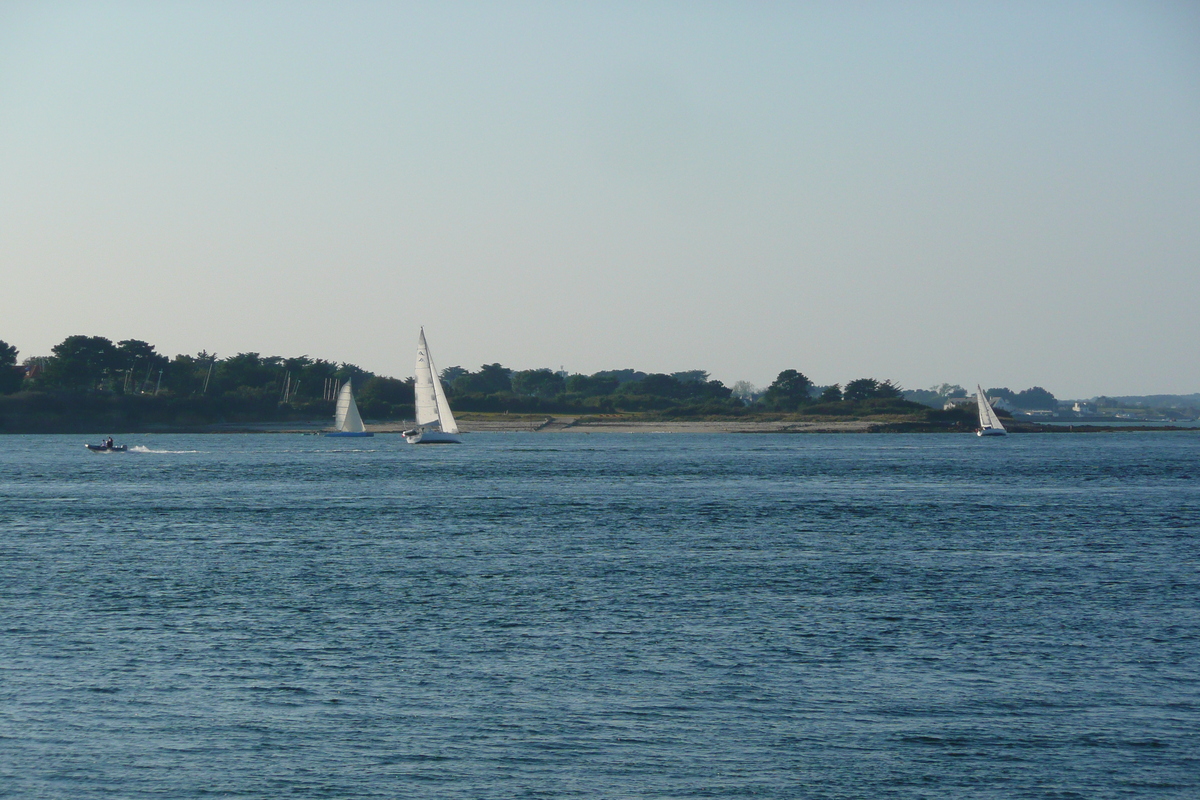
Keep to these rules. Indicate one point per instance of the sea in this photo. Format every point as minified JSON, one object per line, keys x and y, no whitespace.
{"x":563,"y":615}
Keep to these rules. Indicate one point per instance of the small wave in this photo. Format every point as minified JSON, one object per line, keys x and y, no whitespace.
{"x":137,"y":448}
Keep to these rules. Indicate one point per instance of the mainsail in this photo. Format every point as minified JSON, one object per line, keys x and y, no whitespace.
{"x":426,"y":396}
{"x":432,"y":406}
{"x":987,"y":415}
{"x":346,"y":418}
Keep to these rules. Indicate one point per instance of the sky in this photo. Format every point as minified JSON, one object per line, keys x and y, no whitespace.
{"x":1005,"y":193}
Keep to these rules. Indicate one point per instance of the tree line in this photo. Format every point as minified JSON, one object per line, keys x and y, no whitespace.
{"x":241,"y":387}
{"x":248,"y":385}
{"x":1033,"y":399}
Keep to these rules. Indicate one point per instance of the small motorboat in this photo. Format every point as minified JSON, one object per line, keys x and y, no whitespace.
{"x":107,"y":447}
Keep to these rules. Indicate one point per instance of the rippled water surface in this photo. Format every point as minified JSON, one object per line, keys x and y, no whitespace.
{"x":561,"y":615}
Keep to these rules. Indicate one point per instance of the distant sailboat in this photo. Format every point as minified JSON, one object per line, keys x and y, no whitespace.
{"x":346,"y":421}
{"x":435,"y":422}
{"x":989,"y":423}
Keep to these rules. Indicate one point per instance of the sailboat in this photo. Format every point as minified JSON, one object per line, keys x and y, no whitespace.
{"x":346,"y":421}
{"x":989,"y":423}
{"x":435,"y":422}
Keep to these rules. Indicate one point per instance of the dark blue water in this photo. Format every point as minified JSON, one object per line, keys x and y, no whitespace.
{"x":563,"y":615}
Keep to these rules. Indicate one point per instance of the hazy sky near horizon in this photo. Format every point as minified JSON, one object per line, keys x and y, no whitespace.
{"x":1005,"y":193}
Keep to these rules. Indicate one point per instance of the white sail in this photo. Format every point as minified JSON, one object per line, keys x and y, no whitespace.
{"x":433,"y":410}
{"x":988,"y":420}
{"x":426,"y":394}
{"x":445,"y":417}
{"x":346,"y":418}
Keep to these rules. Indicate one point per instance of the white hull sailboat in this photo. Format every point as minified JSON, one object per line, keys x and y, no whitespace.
{"x":346,"y":421}
{"x":435,"y":422}
{"x":989,"y":423}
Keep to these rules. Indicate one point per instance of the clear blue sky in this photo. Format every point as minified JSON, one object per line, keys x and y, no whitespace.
{"x":1005,"y":193}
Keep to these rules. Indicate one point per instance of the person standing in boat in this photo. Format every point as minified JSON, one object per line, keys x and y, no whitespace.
{"x":108,"y":443}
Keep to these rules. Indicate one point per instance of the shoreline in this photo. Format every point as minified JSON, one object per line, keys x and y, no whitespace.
{"x":472,"y":422}
{"x":590,"y":425}
{"x":550,"y":425}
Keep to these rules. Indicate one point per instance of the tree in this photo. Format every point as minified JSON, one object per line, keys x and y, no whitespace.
{"x":789,"y":390}
{"x":948,"y":390}
{"x":596,"y":385}
{"x":297,"y":365}
{"x":491,"y":379}
{"x":832,"y":394}
{"x":451,"y":374}
{"x":315,"y":378}
{"x":622,"y":375}
{"x":247,"y":371}
{"x":708,"y":390}
{"x":542,"y":383}
{"x":352,"y":372}
{"x":860,"y":389}
{"x":184,"y":375}
{"x":1035,"y":398}
{"x":888,"y":390}
{"x":745,"y":391}
{"x":389,"y":391}
{"x":655,"y":385}
{"x":935,"y":396}
{"x":81,"y":363}
{"x":10,"y":374}
{"x":131,"y":352}
{"x":138,"y":360}
{"x":871,"y":389}
{"x":691,"y":376}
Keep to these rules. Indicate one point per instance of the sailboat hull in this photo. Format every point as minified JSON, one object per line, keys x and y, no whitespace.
{"x":430,"y":437}
{"x":350,"y":433}
{"x":992,"y":432}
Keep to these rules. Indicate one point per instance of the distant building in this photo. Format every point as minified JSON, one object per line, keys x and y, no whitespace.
{"x":1081,"y":407}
